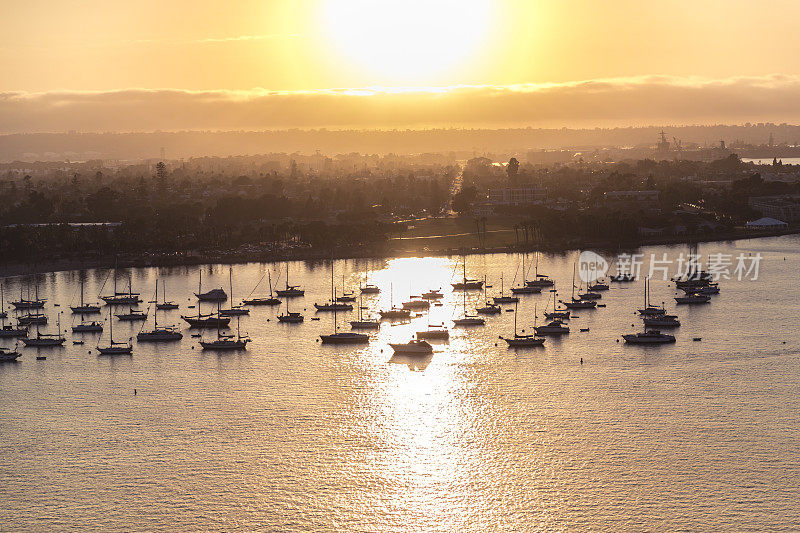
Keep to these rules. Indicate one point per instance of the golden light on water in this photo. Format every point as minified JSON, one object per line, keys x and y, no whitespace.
{"x":407,"y":40}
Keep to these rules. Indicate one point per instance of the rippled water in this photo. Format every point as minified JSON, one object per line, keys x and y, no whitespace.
{"x":293,"y":435}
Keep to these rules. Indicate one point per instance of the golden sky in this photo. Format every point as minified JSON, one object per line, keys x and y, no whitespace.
{"x":245,"y":51}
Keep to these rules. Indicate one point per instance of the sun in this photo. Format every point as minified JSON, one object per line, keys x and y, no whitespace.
{"x":408,"y":41}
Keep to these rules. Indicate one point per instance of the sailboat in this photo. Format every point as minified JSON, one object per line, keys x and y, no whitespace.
{"x":525,"y":288}
{"x":92,"y":326}
{"x":540,"y":280}
{"x":9,"y":331}
{"x":29,"y":303}
{"x":394,"y":312}
{"x":114,"y":347}
{"x":468,"y":320}
{"x":227,"y":342}
{"x":656,"y":316}
{"x":345,"y":337}
{"x":362,"y":323}
{"x":122,"y":298}
{"x":650,"y":309}
{"x":436,"y":332}
{"x":333,"y":305}
{"x":370,"y":288}
{"x":234,"y":310}
{"x":214,"y":295}
{"x":133,"y":315}
{"x":162,"y":334}
{"x":562,"y":314}
{"x":578,"y":303}
{"x":416,"y":304}
{"x":206,"y":321}
{"x":433,"y":294}
{"x":291,"y":291}
{"x":46,"y":339}
{"x":164,"y":305}
{"x":466,"y":284}
{"x":503,"y":299}
{"x":84,"y":308}
{"x":489,"y":308}
{"x":263,"y":301}
{"x":346,"y":296}
{"x":523,"y":341}
{"x":6,"y":354}
{"x":291,"y":317}
{"x":30,"y":319}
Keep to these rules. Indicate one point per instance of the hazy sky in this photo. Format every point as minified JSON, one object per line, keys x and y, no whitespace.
{"x":64,"y":59}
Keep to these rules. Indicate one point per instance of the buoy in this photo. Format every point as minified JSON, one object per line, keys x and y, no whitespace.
{"x":495,"y":344}
{"x":581,"y":360}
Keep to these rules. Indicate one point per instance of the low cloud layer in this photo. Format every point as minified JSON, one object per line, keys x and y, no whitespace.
{"x":607,"y":102}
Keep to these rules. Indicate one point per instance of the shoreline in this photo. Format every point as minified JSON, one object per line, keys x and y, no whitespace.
{"x":235,"y":257}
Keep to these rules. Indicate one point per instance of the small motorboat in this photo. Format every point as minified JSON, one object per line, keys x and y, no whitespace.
{"x":413,"y":347}
{"x":649,"y":337}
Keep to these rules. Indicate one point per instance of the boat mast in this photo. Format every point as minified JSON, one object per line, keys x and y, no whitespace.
{"x":199,"y":292}
{"x":230,"y":281}
{"x":155,"y":309}
{"x":573,"y":281}
{"x":334,"y":310}
{"x":269,"y":276}
{"x":516,"y":308}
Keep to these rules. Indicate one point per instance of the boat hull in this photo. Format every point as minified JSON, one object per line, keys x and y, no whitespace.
{"x":524,"y":342}
{"x":159,"y":336}
{"x":365,"y":324}
{"x":207,"y":322}
{"x":263,"y":301}
{"x":345,"y":338}
{"x":417,"y":348}
{"x":86,"y":309}
{"x":434,"y":334}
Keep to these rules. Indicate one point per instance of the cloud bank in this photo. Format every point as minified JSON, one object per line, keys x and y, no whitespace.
{"x":603,"y":102}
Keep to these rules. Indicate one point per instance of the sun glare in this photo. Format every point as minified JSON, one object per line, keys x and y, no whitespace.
{"x":407,"y":40}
